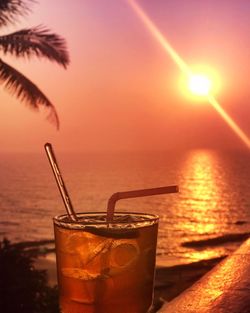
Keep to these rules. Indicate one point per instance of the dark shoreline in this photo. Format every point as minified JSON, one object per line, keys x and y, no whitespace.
{"x":216,"y":241}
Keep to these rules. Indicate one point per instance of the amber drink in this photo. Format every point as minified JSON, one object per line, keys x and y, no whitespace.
{"x":106,"y":267}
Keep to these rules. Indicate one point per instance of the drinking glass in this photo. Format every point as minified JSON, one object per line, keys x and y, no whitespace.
{"x":106,"y":267}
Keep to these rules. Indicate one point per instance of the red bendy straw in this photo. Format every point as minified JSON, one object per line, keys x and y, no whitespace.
{"x":134,"y":194}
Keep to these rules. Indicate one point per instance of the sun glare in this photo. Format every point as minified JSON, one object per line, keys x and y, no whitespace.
{"x":199,"y":85}
{"x":202,"y":82}
{"x":207,"y":85}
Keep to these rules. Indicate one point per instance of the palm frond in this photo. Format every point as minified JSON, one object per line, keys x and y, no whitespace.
{"x":26,"y":91}
{"x":38,"y":41}
{"x":11,"y":9}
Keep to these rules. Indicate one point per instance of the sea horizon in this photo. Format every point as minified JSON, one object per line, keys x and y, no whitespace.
{"x":213,"y":201}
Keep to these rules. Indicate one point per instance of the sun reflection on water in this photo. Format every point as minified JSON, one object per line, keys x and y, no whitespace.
{"x":202,"y":220}
{"x":201,"y":191}
{"x":201,"y":194}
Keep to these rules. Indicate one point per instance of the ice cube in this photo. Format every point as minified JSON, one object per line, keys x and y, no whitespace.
{"x":86,"y":245}
{"x":123,"y":218}
{"x":93,"y":249}
{"x":90,"y":292}
{"x":113,"y":232}
{"x":81,"y":274}
{"x":73,"y":241}
{"x":128,"y":218}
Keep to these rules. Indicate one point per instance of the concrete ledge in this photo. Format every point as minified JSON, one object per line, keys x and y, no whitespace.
{"x":225,"y":289}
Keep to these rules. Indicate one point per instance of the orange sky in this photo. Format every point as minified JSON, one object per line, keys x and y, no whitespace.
{"x":121,"y":89}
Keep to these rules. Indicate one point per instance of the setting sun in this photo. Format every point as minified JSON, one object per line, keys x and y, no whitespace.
{"x":199,"y":84}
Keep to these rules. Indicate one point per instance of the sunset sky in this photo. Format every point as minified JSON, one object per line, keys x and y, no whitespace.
{"x":121,"y":90}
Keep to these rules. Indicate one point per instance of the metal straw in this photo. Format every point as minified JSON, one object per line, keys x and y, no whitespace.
{"x":60,"y":183}
{"x":134,"y":194}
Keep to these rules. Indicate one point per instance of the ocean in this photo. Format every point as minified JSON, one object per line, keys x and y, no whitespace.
{"x":201,"y":222}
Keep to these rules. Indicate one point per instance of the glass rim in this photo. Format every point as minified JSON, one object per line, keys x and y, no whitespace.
{"x":59,"y":219}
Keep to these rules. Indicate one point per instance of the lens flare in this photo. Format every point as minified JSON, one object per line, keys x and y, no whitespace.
{"x":237,"y":130}
{"x":186,"y":69}
{"x":160,"y":38}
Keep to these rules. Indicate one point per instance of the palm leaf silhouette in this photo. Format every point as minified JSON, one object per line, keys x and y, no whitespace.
{"x":36,"y":41}
{"x":11,"y":9}
{"x":26,"y":91}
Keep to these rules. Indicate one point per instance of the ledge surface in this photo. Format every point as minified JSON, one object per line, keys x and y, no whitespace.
{"x":226,"y":288}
